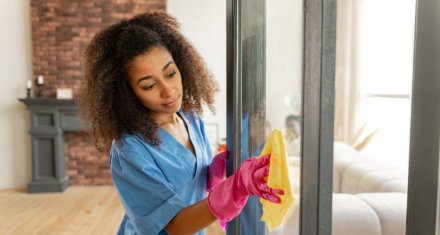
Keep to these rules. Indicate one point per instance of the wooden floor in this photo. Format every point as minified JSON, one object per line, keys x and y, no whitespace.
{"x":78,"y":210}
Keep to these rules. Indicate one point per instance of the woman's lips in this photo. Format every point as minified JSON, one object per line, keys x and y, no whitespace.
{"x":172,"y":103}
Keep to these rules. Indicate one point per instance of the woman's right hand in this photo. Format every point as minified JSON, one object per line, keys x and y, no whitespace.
{"x":250,"y":179}
{"x":228,"y":197}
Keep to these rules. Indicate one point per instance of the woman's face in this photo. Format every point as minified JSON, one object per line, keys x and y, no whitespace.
{"x":156,"y":81}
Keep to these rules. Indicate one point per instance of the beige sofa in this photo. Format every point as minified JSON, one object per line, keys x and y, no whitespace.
{"x":355,"y":173}
{"x":369,"y":197}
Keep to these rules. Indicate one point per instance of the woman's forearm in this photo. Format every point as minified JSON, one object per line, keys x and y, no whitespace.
{"x":191,"y":219}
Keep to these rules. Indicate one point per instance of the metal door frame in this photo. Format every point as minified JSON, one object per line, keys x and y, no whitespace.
{"x":318,"y":110}
{"x":423,"y":206}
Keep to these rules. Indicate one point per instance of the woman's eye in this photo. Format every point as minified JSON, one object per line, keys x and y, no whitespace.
{"x":149,"y":87}
{"x":172,"y":74}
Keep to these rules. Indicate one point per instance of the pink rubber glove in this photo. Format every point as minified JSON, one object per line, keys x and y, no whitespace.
{"x":227,"y":199}
{"x":217,"y":170}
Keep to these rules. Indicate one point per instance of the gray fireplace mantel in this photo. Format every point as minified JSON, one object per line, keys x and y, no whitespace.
{"x":49,"y":119}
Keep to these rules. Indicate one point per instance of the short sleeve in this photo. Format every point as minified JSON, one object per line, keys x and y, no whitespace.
{"x":148,"y":199}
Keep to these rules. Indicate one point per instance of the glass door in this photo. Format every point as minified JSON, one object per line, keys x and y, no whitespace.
{"x":356,"y":98}
{"x":265,"y":53}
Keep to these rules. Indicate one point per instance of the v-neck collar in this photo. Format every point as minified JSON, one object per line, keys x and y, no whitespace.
{"x":179,"y":145}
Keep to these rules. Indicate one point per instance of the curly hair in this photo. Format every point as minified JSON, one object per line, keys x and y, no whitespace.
{"x":106,"y":102}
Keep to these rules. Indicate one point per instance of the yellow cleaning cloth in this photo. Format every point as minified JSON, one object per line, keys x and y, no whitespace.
{"x":273,"y":213}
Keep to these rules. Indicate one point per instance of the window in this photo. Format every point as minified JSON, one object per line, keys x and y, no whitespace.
{"x":386,"y":39}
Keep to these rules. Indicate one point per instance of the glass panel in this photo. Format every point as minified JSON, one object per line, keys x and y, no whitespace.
{"x":284,"y":63}
{"x":271,"y":37}
{"x":372,"y":116}
{"x":253,"y":100}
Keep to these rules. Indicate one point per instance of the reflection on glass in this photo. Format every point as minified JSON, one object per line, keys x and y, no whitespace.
{"x":284,"y":63}
{"x":253,"y":102}
{"x":271,"y":38}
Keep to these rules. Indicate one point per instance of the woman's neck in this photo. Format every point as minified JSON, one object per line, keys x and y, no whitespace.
{"x":166,"y":119}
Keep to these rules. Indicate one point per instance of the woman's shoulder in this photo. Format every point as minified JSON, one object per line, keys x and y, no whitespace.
{"x":132,"y":149}
{"x":129,"y":143}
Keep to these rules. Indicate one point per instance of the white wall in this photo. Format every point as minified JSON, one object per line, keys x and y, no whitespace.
{"x":203,"y":22}
{"x":15,"y":70}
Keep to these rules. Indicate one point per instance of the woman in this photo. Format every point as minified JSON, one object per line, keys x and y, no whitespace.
{"x":142,"y":94}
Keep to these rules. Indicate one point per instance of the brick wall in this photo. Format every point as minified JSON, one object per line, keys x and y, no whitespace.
{"x":60,"y":31}
{"x":62,"y":28}
{"x":85,"y":165}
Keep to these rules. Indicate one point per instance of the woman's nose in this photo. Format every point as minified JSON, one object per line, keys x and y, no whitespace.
{"x":167,"y":90}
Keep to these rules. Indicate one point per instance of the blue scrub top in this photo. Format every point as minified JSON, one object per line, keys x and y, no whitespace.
{"x":153,"y":183}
